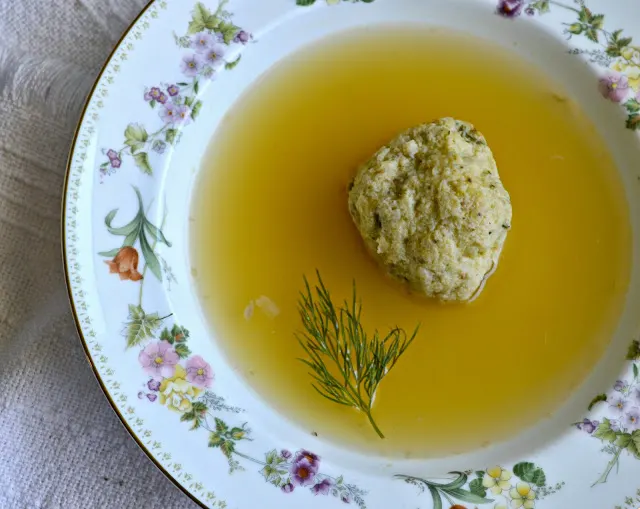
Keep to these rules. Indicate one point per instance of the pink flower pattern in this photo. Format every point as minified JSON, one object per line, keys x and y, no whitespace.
{"x":303,"y":473}
{"x":614,"y":87}
{"x":159,"y":359}
{"x":199,"y":372}
{"x":323,"y":487}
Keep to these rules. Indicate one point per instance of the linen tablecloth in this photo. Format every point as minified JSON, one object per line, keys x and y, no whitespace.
{"x":61,"y":445}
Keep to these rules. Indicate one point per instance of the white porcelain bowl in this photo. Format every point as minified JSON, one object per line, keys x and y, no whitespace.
{"x":130,"y":178}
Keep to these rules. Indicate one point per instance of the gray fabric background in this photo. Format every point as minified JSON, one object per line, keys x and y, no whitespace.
{"x":61,"y":445}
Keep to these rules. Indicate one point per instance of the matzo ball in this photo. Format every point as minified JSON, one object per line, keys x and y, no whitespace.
{"x":432,"y":209}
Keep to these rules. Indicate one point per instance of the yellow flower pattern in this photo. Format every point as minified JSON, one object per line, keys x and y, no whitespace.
{"x":497,"y":480}
{"x":497,"y":487}
{"x":522,"y":496}
{"x":628,"y":63}
{"x":177,"y":393}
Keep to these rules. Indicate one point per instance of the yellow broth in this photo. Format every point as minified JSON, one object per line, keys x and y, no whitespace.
{"x":271,"y":206}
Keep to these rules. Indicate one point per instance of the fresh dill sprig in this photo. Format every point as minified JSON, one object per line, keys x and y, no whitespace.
{"x":346,"y":364}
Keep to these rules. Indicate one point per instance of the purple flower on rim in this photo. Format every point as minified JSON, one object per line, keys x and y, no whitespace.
{"x":191,"y":64}
{"x":285,"y":454}
{"x":112,"y":154}
{"x":632,"y":418}
{"x":152,"y":397}
{"x":169,"y":113}
{"x":303,"y":472}
{"x":153,"y":385}
{"x":323,"y":487}
{"x":614,"y":87}
{"x":201,"y":41}
{"x":620,"y":385}
{"x":116,"y":162}
{"x":162,"y":98}
{"x":614,"y":424}
{"x":587,"y":425}
{"x":155,"y":93}
{"x":140,"y":395}
{"x":159,"y":146}
{"x":287,"y":488}
{"x":183,"y":115}
{"x":147,"y":96}
{"x":173,"y":90}
{"x":214,"y":54}
{"x":159,"y":359}
{"x":619,"y":405}
{"x":242,"y":37}
{"x":510,"y":8}
{"x":199,"y":372}
{"x":313,"y":459}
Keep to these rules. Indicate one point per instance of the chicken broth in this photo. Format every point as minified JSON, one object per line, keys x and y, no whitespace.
{"x":271,"y":206}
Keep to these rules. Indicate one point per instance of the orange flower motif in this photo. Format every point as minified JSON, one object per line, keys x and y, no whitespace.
{"x":125,"y":264}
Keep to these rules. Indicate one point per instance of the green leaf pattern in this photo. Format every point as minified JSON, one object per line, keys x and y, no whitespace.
{"x":140,"y":326}
{"x":598,"y":399}
{"x":140,"y":230}
{"x":135,"y":137}
{"x":142,"y":162}
{"x":496,"y":486}
{"x":530,"y":473}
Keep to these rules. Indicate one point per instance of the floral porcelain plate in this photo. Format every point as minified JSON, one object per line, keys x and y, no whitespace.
{"x":145,"y":127}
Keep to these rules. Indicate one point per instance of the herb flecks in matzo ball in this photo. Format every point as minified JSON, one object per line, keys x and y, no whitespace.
{"x":432,"y":209}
